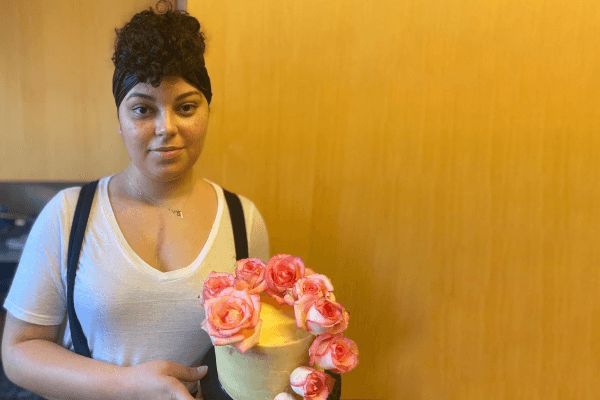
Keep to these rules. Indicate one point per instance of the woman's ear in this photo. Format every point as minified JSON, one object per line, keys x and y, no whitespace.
{"x":119,"y":120}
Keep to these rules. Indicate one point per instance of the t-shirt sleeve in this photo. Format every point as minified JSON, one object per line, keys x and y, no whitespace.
{"x":258,"y":236}
{"x":37,"y":294}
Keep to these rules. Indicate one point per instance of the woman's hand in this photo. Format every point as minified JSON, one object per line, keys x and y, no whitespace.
{"x":160,"y":380}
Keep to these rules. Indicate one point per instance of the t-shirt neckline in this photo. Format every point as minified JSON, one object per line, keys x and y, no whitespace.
{"x":135,"y":260}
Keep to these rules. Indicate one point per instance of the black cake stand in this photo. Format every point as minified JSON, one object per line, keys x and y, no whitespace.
{"x":212,"y":389}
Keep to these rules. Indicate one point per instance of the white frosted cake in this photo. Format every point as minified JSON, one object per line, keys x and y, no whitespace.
{"x":268,"y":323}
{"x":264,"y":370}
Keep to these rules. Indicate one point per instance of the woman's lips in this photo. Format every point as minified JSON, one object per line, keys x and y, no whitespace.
{"x":168,"y":154}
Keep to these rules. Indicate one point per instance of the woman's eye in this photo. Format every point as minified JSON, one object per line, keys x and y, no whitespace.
{"x":145,"y":111}
{"x":142,"y":110}
{"x":188,"y":108}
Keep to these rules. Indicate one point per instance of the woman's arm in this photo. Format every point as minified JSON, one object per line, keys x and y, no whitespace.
{"x":34,"y":360}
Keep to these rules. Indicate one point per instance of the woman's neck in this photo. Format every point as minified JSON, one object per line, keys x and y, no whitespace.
{"x":156,"y":189}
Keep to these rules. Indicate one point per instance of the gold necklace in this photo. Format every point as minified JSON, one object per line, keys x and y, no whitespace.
{"x":175,"y":211}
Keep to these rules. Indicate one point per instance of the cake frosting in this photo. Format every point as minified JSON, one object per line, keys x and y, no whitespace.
{"x":264,"y":370}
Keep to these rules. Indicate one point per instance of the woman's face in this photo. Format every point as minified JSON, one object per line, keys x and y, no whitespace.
{"x":164,"y":128}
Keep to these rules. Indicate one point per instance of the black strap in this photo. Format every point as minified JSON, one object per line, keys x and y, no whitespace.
{"x":82,"y":213}
{"x":236,"y":212}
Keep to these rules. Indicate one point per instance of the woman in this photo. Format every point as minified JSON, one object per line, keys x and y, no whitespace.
{"x":155,"y":232}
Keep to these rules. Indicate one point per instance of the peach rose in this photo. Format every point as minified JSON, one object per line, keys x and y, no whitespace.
{"x":233,"y":318}
{"x":281,"y":274}
{"x":214,"y":284}
{"x":252,"y":270}
{"x":316,"y":284}
{"x":284,"y":396}
{"x":319,"y":315}
{"x":334,"y":352}
{"x":311,"y":383}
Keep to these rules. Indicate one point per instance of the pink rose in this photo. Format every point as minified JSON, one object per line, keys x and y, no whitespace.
{"x":233,"y":318}
{"x":284,"y":396}
{"x":281,"y":274}
{"x":334,"y":352}
{"x":311,"y":383}
{"x":214,"y":284}
{"x":316,"y":284}
{"x":319,"y":315}
{"x":252,"y":270}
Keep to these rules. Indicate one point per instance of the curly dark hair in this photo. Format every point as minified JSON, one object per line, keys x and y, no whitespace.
{"x":152,"y":46}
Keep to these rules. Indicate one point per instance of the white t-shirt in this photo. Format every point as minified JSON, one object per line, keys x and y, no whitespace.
{"x":130,"y":312}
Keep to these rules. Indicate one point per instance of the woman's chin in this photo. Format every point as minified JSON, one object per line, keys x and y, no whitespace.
{"x":171,"y":172}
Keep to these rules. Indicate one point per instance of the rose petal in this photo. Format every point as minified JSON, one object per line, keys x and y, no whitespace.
{"x":334,"y":352}
{"x":298,"y":379}
{"x":342,"y":325}
{"x":317,"y":329}
{"x":289,"y":299}
{"x":301,"y":307}
{"x":217,"y":341}
{"x":251,"y":338}
{"x":326,"y":362}
{"x":315,"y":316}
{"x":319,"y":347}
{"x":259,"y":288}
{"x":311,"y":383}
{"x":284,"y":396}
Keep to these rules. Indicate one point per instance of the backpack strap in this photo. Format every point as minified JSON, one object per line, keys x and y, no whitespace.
{"x":80,"y":219}
{"x":238,"y":223}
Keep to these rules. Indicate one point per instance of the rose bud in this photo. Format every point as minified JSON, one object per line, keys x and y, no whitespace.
{"x":334,"y":352}
{"x":281,"y":274}
{"x":319,"y":315}
{"x":214,"y":284}
{"x":284,"y":396}
{"x":233,"y":318}
{"x":252,"y":270}
{"x":311,"y":383}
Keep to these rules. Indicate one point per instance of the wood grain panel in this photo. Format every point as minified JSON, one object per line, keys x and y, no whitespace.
{"x":438,"y":161}
{"x":58,"y":114}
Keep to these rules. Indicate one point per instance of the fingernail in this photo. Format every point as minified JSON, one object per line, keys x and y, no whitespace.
{"x":202,"y":369}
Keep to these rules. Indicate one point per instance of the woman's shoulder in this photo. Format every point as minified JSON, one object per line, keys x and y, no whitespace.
{"x":247,"y":204}
{"x":63,"y":203}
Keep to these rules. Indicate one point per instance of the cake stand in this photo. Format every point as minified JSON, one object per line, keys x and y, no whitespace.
{"x":212,"y":389}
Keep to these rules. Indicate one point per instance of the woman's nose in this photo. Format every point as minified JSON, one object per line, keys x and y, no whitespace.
{"x":166,"y":123}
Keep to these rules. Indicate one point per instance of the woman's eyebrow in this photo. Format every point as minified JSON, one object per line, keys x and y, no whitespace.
{"x":145,"y":96}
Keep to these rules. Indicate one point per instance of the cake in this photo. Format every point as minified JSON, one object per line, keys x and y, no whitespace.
{"x":264,"y":370}
{"x":268,"y":323}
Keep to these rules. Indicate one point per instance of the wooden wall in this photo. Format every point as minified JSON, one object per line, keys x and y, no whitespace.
{"x":436,"y":159}
{"x":57,"y":111}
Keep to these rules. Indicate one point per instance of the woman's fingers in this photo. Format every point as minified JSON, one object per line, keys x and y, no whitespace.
{"x":187,"y":374}
{"x":159,"y":380}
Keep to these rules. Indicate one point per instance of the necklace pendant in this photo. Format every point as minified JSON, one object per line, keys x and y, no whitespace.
{"x":179,"y":213}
